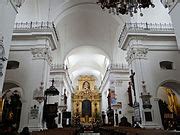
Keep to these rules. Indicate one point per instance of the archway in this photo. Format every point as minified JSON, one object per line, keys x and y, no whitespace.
{"x":87,"y":60}
{"x":12,"y":105}
{"x":169,"y":103}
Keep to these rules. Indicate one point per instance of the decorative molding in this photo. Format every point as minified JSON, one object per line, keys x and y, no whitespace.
{"x":136,"y":53}
{"x":42,"y":53}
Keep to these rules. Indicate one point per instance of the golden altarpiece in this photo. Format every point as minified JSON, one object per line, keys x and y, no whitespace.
{"x":86,"y":100}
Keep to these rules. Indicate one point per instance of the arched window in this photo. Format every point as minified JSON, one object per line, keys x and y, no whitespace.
{"x":12,"y":65}
{"x":166,"y":65}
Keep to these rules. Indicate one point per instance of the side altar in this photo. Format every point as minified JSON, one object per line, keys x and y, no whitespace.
{"x":86,"y":101}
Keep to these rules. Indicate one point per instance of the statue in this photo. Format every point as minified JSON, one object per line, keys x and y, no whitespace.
{"x":172,"y":101}
{"x":132,"y":83}
{"x":109,"y":99}
{"x":130,"y":95}
{"x":103,"y":117}
{"x":65,"y":97}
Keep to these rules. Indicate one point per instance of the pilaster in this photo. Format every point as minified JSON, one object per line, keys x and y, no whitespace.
{"x":41,"y":59}
{"x":137,"y":60}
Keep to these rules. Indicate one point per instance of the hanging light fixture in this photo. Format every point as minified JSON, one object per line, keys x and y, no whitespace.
{"x":125,"y":6}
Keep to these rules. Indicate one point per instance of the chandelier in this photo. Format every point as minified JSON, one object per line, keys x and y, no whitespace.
{"x":125,"y":6}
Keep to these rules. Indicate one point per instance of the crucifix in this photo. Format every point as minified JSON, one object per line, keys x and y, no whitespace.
{"x":137,"y":116}
{"x":132,"y":83}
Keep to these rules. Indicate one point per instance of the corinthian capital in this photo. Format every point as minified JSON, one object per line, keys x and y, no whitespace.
{"x":42,"y":53}
{"x":136,"y":53}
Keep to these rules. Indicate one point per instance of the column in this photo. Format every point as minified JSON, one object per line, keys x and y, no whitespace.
{"x":8,"y":13}
{"x":41,"y":61}
{"x":137,"y":60}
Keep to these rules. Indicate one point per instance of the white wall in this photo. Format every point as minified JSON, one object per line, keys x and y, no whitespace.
{"x":149,"y":70}
{"x":175,"y":20}
{"x":28,"y":76}
{"x":154,"y":75}
{"x":7,"y":18}
{"x":153,"y":15}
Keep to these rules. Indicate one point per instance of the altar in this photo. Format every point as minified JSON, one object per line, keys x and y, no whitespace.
{"x":86,"y":101}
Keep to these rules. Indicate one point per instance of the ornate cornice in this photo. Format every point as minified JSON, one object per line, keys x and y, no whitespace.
{"x":42,"y":53}
{"x":136,"y":53}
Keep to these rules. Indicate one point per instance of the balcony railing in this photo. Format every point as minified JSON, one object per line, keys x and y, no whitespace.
{"x":145,"y":28}
{"x":58,"y":67}
{"x":35,"y":26}
{"x":118,"y":67}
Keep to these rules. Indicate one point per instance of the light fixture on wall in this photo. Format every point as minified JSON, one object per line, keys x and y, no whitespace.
{"x":125,"y":6}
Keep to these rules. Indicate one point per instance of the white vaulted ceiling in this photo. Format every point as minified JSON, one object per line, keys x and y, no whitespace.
{"x":88,"y":36}
{"x":87,"y":60}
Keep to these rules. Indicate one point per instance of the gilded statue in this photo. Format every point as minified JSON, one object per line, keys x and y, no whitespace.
{"x":172,"y":100}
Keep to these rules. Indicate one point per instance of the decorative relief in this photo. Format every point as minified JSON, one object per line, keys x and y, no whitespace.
{"x":42,"y":53}
{"x":136,"y":53}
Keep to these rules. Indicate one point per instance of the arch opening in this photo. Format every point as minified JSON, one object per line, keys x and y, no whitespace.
{"x":169,"y":103}
{"x":87,"y":60}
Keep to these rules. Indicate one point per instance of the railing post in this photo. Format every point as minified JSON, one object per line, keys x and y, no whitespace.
{"x":30,"y":25}
{"x":47,"y":24}
{"x":41,"y":24}
{"x":146,"y":26}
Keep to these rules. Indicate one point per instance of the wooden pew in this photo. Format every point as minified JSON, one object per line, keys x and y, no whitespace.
{"x":57,"y":131}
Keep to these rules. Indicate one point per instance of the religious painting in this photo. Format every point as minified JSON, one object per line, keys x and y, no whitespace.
{"x":86,"y":108}
{"x":113,"y":97}
{"x":86,"y":85}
